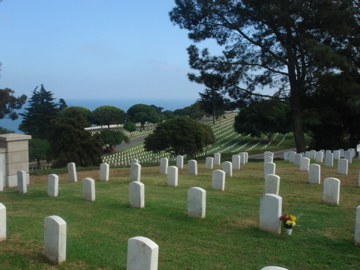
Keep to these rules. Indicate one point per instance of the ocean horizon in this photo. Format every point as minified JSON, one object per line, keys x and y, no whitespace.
{"x":123,"y":104}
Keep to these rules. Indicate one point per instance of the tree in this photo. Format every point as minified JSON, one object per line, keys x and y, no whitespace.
{"x":130,"y":126}
{"x":85,"y":112}
{"x":108,"y":115}
{"x":9,"y":103}
{"x":169,"y":114}
{"x":263,"y":117}
{"x":179,"y":136}
{"x":70,"y":142}
{"x":144,"y":113}
{"x":282,"y":45}
{"x":213,"y":103}
{"x":111,"y":138}
{"x":39,"y":113}
{"x":38,"y":149}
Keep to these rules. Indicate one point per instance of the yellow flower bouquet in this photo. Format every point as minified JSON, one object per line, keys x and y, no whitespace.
{"x":288,"y":220}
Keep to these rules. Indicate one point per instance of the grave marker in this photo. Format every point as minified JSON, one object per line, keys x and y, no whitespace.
{"x":343,"y":165}
{"x":164,"y":165}
{"x":104,"y":172}
{"x":329,"y":159}
{"x":143,"y":254}
{"x":180,"y":162}
{"x":22,"y":183}
{"x":209,"y":163}
{"x":53,"y":185}
{"x":2,"y":222}
{"x":217,"y":159}
{"x":196,"y":202}
{"x":135,"y":172}
{"x":55,"y":239}
{"x":270,"y":212}
{"x":314,"y":174}
{"x":72,"y":172}
{"x":235,"y":159}
{"x":88,"y":189}
{"x":269,"y":168}
{"x":192,"y":167}
{"x":331,"y":194}
{"x":137,"y":194}
{"x":272,"y":184}
{"x":172,"y":176}
{"x":218,"y":180}
{"x":304,"y":164}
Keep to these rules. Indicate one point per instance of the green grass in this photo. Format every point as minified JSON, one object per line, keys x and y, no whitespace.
{"x":228,"y":238}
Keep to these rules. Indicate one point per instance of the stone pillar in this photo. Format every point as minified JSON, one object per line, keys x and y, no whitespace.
{"x":14,"y":151}
{"x":55,"y":239}
{"x":143,"y":254}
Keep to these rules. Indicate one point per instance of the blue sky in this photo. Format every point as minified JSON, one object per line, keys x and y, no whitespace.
{"x":95,"y":49}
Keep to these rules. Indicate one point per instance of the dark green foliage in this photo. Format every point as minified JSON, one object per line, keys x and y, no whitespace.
{"x":85,"y":112}
{"x":108,"y":115}
{"x":70,"y":142}
{"x":283,"y":45}
{"x":111,"y":138}
{"x":9,"y":103}
{"x":179,"y":136}
{"x":334,"y":111}
{"x":193,"y":111}
{"x":213,"y":103}
{"x":5,"y":130}
{"x":130,"y":126}
{"x":169,"y":114}
{"x":144,"y":113}
{"x":38,"y":149}
{"x":39,"y":113}
{"x":263,"y":117}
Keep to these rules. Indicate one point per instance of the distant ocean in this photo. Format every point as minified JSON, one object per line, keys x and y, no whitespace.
{"x":124,"y":104}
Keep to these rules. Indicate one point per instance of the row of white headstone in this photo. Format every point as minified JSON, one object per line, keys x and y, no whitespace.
{"x":142,"y":252}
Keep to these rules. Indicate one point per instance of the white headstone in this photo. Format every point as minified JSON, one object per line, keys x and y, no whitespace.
{"x":217,"y":159}
{"x":137,"y":194}
{"x":53,"y":185}
{"x":319,"y":156}
{"x":22,"y":183}
{"x":197,"y":202}
{"x":314,"y":174}
{"x":172,"y":176}
{"x":192,"y":167}
{"x":270,"y":212}
{"x":342,"y":154}
{"x":235,"y":159}
{"x":218,"y":180}
{"x":242,"y":158}
{"x":312,"y":154}
{"x":348,"y":155}
{"x":135,"y":172}
{"x":180,"y":162}
{"x":268,"y":159}
{"x":133,"y":161}
{"x":357,"y":226}
{"x":269,"y":168}
{"x":273,"y":268}
{"x":272,"y":184}
{"x":329,"y":159}
{"x":286,"y":155}
{"x":297,"y":159}
{"x":331,"y":194}
{"x":55,"y":239}
{"x":2,"y":222}
{"x":143,"y":254}
{"x":304,"y":164}
{"x":164,"y":165}
{"x":292,"y":156}
{"x":269,"y":154}
{"x":88,"y":189}
{"x":246,"y":157}
{"x":343,"y":165}
{"x":336,"y":154}
{"x":209,"y":163}
{"x":72,"y":172}
{"x":104,"y":172}
{"x":227,"y":168}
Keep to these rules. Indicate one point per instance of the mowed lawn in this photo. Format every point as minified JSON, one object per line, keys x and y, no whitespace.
{"x":228,"y":238}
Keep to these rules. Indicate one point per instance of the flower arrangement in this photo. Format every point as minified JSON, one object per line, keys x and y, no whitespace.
{"x":288,"y":220}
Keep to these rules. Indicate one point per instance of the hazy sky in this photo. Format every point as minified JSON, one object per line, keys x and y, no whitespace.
{"x":95,"y":49}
